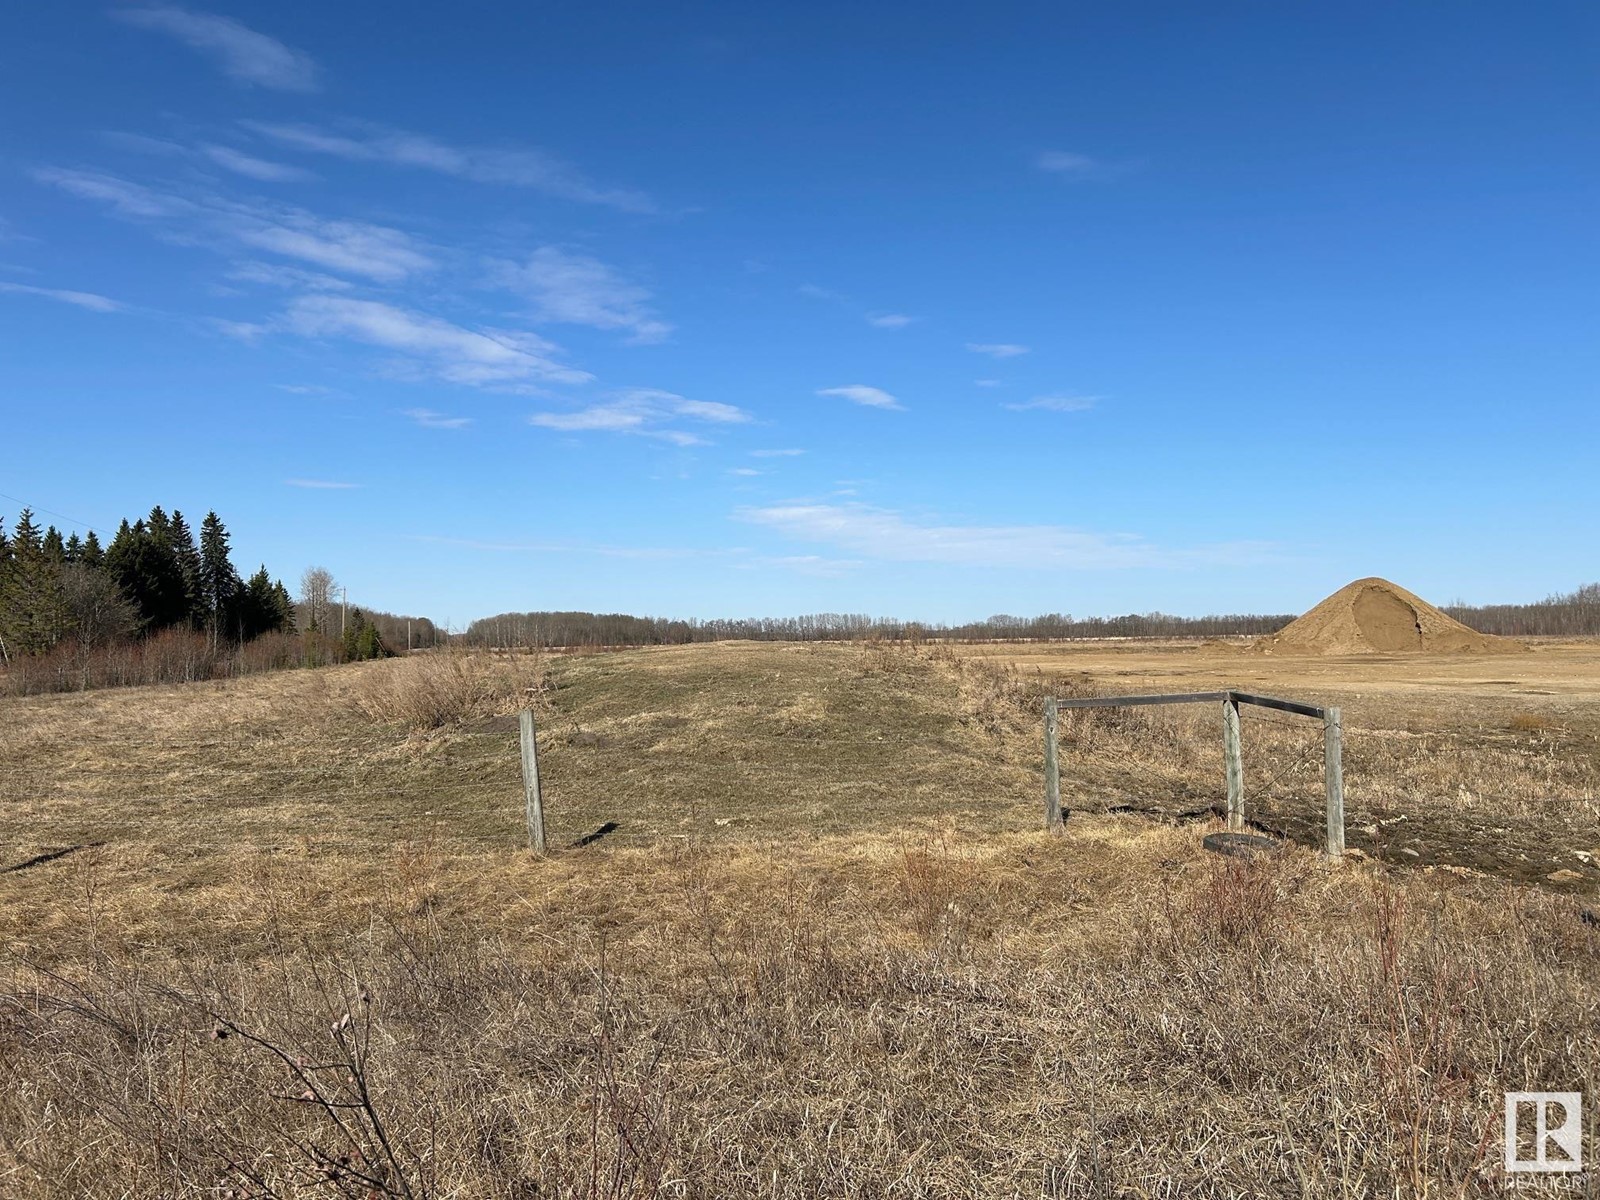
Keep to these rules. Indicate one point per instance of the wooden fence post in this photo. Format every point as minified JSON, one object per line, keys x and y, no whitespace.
{"x":530,"y":783}
{"x":1233,"y":762}
{"x":1052,"y":768}
{"x":1333,"y":777}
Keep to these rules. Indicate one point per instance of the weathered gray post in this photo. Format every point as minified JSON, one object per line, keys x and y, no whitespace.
{"x":530,"y":783}
{"x":1233,"y":762}
{"x":1333,"y":777}
{"x":1052,"y":769}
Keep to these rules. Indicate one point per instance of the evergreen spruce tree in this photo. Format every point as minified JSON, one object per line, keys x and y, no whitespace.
{"x":188,"y":558}
{"x":54,"y":548}
{"x":135,"y":565}
{"x":219,"y":582}
{"x":124,"y":563}
{"x":283,"y":604}
{"x":92,"y":555}
{"x":258,"y":606}
{"x":352,"y":635}
{"x":145,"y":565}
{"x":26,"y":541}
{"x":368,"y":644}
{"x":32,"y":613}
{"x":74,"y":549}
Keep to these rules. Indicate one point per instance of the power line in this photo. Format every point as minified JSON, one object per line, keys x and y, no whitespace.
{"x":52,"y":513}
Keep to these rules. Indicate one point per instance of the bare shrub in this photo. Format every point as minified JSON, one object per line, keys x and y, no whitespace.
{"x":430,"y":691}
{"x":1239,"y":902}
{"x":171,"y":656}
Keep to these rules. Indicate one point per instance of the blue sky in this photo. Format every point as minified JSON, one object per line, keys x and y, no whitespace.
{"x":710,"y":310}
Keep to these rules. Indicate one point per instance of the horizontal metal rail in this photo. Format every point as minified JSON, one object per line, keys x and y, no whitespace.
{"x":1288,"y":706}
{"x":1119,"y":701}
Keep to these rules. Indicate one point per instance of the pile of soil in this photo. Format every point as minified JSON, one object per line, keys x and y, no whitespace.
{"x":1374,"y":616}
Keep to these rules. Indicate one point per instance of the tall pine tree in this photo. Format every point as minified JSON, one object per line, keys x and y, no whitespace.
{"x":145,"y":564}
{"x":219,"y":582}
{"x":284,"y":604}
{"x":259,"y":608}
{"x":188,"y":559}
{"x":32,"y":614}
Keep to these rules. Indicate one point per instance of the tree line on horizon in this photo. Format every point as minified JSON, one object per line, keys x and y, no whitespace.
{"x":551,"y":629}
{"x":1562,"y":614}
{"x":1570,"y":614}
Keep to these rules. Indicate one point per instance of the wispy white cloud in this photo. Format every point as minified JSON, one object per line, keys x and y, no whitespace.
{"x":355,"y":247}
{"x":743,"y":471}
{"x":575,"y":289}
{"x":243,"y":331}
{"x":126,"y":198}
{"x":808,"y":564}
{"x":90,"y":300}
{"x":429,"y":419}
{"x":323,"y":485}
{"x":1057,"y":403}
{"x":143,"y":143}
{"x":1000,"y":350}
{"x":988,"y":383}
{"x":255,"y":168}
{"x":227,"y":157}
{"x":490,"y":358}
{"x":1065,"y":162}
{"x":609,"y":418}
{"x":646,"y":412}
{"x":291,"y":278}
{"x":889,"y":320}
{"x":596,"y":548}
{"x":240,"y":51}
{"x":304,"y":389}
{"x":887,"y":536}
{"x":860,"y":393}
{"x":709,"y":410}
{"x":814,"y":292}
{"x":776,"y":453}
{"x":514,"y":167}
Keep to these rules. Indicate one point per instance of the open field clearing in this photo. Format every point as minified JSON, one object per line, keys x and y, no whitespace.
{"x":826,"y":948}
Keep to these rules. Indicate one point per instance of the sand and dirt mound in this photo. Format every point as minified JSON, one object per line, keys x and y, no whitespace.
{"x":1374,"y":616}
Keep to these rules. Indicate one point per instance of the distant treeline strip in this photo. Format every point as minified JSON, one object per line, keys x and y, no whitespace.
{"x":550,"y":629}
{"x":1574,"y":614}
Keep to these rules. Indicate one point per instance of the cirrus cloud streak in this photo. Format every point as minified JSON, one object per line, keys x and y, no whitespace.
{"x":887,"y":536}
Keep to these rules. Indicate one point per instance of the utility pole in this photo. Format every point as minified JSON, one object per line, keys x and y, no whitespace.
{"x":344,"y":608}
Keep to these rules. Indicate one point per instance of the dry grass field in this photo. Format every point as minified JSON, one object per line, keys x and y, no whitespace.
{"x":279,"y":936}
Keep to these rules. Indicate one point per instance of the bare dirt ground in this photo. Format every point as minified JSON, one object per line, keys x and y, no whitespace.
{"x":278,"y":936}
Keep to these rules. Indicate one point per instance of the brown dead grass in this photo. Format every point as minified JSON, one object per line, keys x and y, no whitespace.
{"x":827,"y":953}
{"x":430,"y":691}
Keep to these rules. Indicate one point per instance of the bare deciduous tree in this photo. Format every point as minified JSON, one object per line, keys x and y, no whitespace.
{"x":96,"y":609}
{"x":316,"y":597}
